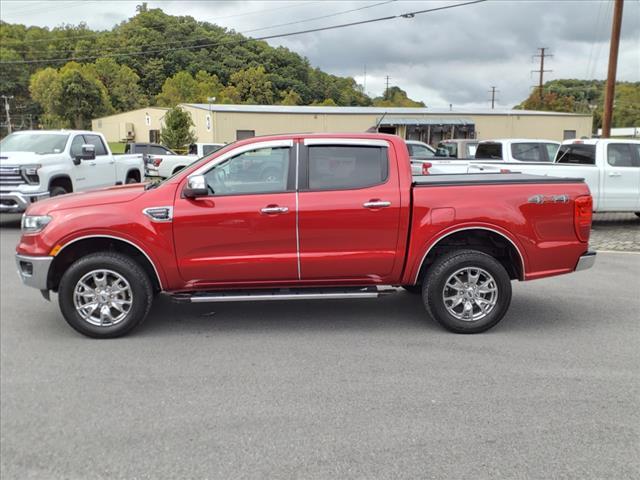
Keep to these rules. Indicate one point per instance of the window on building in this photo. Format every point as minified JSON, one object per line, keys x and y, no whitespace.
{"x":569,"y":134}
{"x":154,"y":136}
{"x":242,"y":134}
{"x":208,"y":122}
{"x":346,"y":167}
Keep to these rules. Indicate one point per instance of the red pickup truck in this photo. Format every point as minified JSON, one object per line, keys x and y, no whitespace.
{"x":340,"y":216}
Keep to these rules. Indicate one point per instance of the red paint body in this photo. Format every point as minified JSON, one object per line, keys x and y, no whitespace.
{"x":225,"y":242}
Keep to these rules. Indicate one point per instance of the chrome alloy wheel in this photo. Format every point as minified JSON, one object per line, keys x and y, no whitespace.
{"x":103,"y":298}
{"x":470,"y":294}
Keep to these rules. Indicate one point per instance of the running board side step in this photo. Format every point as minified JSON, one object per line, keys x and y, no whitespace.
{"x":282,"y":294}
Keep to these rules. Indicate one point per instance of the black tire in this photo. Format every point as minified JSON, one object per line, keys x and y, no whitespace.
{"x":141,"y":288}
{"x":637,"y":214}
{"x":414,"y":289}
{"x":57,"y":190}
{"x":131,"y":179}
{"x":434,"y":287}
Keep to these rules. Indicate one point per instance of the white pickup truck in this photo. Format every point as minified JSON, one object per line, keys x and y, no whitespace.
{"x":611,"y":168}
{"x":166,"y":164}
{"x":37,"y":164}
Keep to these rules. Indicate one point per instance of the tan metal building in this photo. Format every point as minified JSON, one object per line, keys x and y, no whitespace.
{"x":227,"y":123}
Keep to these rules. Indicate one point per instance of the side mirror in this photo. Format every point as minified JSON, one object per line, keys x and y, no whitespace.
{"x":88,"y":153}
{"x":196,"y":187}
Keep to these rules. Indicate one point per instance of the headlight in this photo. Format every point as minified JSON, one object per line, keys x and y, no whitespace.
{"x":34,"y":223}
{"x":30,"y":173}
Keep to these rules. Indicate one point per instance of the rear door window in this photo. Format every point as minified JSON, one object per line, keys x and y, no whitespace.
{"x":528,"y":152}
{"x":343,"y":167}
{"x":489,"y":151}
{"x":621,"y":155}
{"x":577,"y":154}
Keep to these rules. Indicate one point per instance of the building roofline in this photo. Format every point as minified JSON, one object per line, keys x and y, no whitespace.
{"x":297,"y":109}
{"x":132,"y":111}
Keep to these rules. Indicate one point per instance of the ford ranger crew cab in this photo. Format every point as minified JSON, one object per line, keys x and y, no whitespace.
{"x":343,"y":218}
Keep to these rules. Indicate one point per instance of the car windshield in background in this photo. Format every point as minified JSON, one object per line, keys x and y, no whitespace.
{"x":419,"y":151}
{"x":490,"y":151}
{"x":528,"y":152}
{"x":452,"y":148}
{"x":39,"y":143}
{"x":577,"y":154}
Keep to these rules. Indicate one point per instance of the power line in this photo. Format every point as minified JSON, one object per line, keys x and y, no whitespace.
{"x":407,"y":15}
{"x":119,"y":49}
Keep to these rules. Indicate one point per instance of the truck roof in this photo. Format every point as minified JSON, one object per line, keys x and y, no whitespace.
{"x":524,"y":140}
{"x":51,"y":132}
{"x":594,"y":141}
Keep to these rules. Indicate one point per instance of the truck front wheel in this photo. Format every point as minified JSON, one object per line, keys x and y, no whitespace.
{"x":467,"y":291}
{"x":105,"y":295}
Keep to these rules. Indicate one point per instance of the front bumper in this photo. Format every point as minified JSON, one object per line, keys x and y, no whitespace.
{"x":17,"y":202}
{"x":33,"y":271}
{"x":586,"y":261}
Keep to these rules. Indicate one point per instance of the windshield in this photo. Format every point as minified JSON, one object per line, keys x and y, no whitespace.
{"x":417,"y":150}
{"x":39,"y":143}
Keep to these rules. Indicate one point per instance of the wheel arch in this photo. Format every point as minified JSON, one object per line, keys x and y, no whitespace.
{"x":489,"y":240}
{"x":62,"y":180}
{"x":80,"y":246}
{"x":133,"y":173}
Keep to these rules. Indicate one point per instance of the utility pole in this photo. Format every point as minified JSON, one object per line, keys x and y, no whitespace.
{"x":386,"y":91}
{"x":493,"y":96}
{"x":6,"y":109}
{"x":613,"y":65}
{"x":542,"y":71}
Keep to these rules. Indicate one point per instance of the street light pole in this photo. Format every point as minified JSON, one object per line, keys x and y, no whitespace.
{"x":6,"y":108}
{"x":211,"y":100}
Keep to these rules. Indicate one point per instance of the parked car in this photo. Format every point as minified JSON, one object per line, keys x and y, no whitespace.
{"x":344,"y":220}
{"x":420,"y":153}
{"x":45,"y":163}
{"x":517,"y":150}
{"x":148,"y":149}
{"x":202,"y":149}
{"x":457,"y":148}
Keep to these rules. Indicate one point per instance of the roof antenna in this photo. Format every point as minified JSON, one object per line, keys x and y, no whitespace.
{"x":380,"y":121}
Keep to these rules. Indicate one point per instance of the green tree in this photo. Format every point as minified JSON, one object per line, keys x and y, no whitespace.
{"x":177,"y":130}
{"x":396,"y":97}
{"x":291,"y":98}
{"x":181,"y":88}
{"x":71,"y":96}
{"x":121,"y":82}
{"x":253,"y":86}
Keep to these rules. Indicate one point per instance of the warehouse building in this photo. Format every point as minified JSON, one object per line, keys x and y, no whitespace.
{"x":227,"y":123}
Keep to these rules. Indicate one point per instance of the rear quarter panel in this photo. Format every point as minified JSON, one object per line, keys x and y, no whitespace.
{"x":544,"y":234}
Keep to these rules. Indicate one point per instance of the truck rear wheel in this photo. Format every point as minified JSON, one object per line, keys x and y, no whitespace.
{"x":467,"y":291}
{"x":105,"y":295}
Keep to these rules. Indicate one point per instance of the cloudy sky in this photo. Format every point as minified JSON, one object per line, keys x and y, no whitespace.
{"x":444,"y":57}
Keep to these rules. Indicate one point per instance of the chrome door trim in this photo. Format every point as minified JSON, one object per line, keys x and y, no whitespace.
{"x":434,"y":243}
{"x":298,"y":210}
{"x":122,"y":239}
{"x":241,"y":149}
{"x":365,"y":142}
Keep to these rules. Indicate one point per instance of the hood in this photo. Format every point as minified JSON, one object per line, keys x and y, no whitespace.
{"x":105,"y":196}
{"x":24,"y":158}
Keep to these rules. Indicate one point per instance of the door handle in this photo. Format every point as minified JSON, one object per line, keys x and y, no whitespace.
{"x":376,"y":204}
{"x":615,"y":174}
{"x":274,"y":209}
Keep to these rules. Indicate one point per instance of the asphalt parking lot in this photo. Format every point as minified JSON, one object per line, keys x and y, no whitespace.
{"x":353,"y":389}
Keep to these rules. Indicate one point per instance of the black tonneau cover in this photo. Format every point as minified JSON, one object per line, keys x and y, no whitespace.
{"x":487,"y":179}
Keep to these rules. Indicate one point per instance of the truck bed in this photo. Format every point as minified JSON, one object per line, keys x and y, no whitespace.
{"x":487,"y":178}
